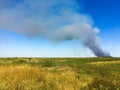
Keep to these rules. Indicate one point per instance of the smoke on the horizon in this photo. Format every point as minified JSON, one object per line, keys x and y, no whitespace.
{"x":56,"y":20}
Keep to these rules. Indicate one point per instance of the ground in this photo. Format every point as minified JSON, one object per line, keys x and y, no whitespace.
{"x":60,"y":74}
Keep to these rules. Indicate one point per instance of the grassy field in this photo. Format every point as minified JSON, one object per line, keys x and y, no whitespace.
{"x":60,"y":74}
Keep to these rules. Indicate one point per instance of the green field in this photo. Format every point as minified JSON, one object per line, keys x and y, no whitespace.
{"x":60,"y":74}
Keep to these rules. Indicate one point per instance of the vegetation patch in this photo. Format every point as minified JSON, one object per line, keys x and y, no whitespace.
{"x":59,"y":74}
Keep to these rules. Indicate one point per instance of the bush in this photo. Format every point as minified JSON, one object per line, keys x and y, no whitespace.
{"x":101,"y":83}
{"x":50,"y":63}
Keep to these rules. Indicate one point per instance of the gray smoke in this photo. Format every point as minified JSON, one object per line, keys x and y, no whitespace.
{"x":56,"y":20}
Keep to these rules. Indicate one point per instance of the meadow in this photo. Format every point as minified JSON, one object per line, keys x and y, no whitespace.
{"x":59,"y":73}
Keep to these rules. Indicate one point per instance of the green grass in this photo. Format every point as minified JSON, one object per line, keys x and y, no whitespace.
{"x":60,"y":74}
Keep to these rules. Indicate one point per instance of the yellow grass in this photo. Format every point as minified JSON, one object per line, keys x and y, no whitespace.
{"x":105,"y":62}
{"x":59,"y":74}
{"x":34,"y":78}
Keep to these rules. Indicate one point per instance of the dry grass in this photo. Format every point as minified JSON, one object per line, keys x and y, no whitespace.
{"x":34,"y":78}
{"x":105,"y":62}
{"x":59,"y":74}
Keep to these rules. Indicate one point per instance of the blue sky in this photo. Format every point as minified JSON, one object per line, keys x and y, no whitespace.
{"x":105,"y":15}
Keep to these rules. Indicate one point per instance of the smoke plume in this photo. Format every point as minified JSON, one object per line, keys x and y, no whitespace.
{"x":56,"y":20}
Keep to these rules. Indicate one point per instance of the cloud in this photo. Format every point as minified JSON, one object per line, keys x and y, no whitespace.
{"x":56,"y":20}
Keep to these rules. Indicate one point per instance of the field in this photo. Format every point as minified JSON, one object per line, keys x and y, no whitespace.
{"x":60,"y":74}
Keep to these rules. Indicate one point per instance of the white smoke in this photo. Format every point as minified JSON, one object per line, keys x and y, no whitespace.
{"x":57,"y":20}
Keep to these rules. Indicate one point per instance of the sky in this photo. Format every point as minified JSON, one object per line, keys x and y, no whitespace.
{"x":30,"y":28}
{"x":106,"y":16}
